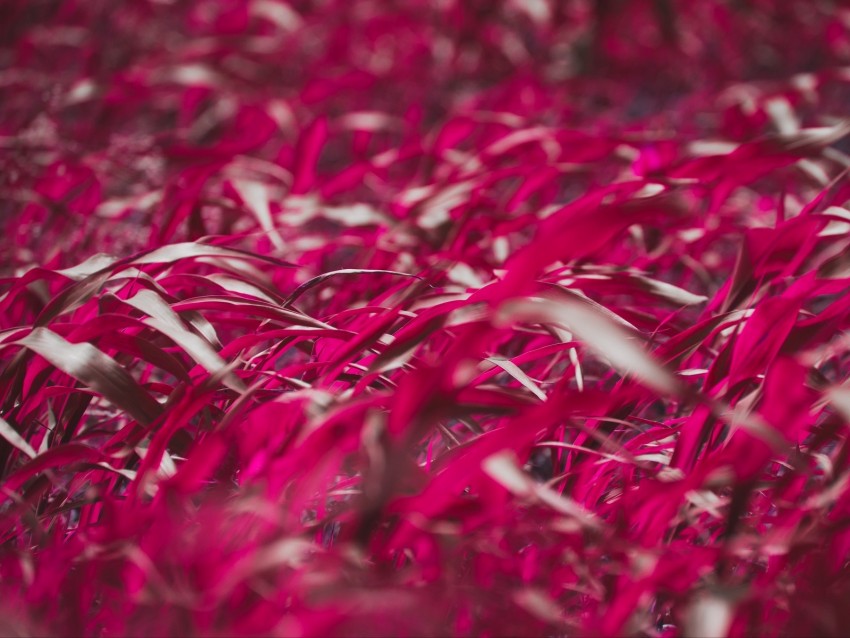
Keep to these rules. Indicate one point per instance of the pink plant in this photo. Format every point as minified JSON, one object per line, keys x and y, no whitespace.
{"x":363,"y":318}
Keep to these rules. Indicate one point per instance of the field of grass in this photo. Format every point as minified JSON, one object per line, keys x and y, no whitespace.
{"x":424,"y":318}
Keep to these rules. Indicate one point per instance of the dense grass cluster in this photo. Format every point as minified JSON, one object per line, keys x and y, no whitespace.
{"x":374,"y":318}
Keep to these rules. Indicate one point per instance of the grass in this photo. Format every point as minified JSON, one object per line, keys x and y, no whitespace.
{"x":493,"y":319}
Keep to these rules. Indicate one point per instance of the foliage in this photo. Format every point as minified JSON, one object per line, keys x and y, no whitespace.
{"x":424,"y":318}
